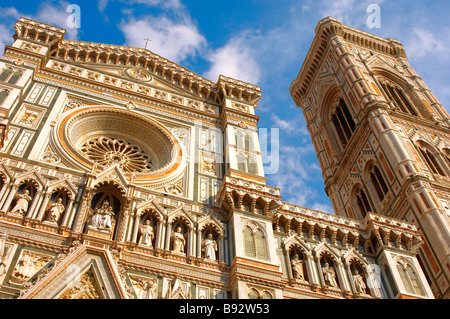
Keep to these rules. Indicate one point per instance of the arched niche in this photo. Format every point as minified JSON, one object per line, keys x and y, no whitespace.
{"x":106,"y":209}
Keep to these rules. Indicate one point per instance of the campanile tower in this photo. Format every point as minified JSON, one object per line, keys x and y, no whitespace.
{"x":381,"y":136}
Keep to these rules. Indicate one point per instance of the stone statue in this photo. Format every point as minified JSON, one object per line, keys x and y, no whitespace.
{"x":146,"y":234}
{"x":329,"y":276}
{"x":210,"y":247}
{"x":28,"y":264}
{"x":178,"y":241}
{"x":102,"y":217}
{"x":358,"y":280}
{"x":56,"y":210}
{"x":297,"y":267}
{"x":22,"y":203}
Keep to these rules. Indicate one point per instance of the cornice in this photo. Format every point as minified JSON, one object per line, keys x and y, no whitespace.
{"x":325,"y":31}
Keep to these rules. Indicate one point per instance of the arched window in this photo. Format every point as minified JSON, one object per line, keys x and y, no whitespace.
{"x":3,"y":94}
{"x":410,"y":279}
{"x":253,"y":294}
{"x":362,"y":202}
{"x":238,"y":139}
{"x":431,"y":159}
{"x":343,"y":123}
{"x":399,"y":98}
{"x":255,"y":245}
{"x":251,"y":165}
{"x":5,"y":74}
{"x":247,"y":141}
{"x":15,"y":77}
{"x":241,"y":162}
{"x":446,"y":153}
{"x":378,"y":182}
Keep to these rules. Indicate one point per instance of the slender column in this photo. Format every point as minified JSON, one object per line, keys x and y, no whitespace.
{"x":10,"y":197}
{"x":36,"y":199}
{"x":312,"y":275}
{"x":123,"y":224}
{"x":350,"y":276}
{"x":86,"y":199}
{"x":168,"y":233}
{"x":137,"y":218}
{"x":320,"y":273}
{"x":43,"y":206}
{"x":3,"y":191}
{"x":190,"y":247}
{"x":288,"y":265}
{"x":341,"y":276}
{"x":199,"y":243}
{"x":67,"y":212}
{"x":221,"y":247}
{"x":158,"y":234}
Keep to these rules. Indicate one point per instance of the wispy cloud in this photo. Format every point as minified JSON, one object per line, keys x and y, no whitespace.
{"x":236,"y":59}
{"x":174,"y":40}
{"x":170,"y":4}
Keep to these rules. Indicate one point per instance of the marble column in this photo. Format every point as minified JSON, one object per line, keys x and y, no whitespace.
{"x":9,"y":199}
{"x":67,"y":212}
{"x":43,"y":206}
{"x":37,"y":197}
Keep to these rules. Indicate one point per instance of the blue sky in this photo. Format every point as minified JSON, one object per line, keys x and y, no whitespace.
{"x":263,"y":42}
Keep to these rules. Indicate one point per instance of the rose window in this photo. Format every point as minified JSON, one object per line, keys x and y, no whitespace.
{"x":104,"y":136}
{"x":106,"y":151}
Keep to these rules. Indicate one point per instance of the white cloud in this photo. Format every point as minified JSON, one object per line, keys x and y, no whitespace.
{"x":173,"y":40}
{"x":57,"y":15}
{"x":168,"y":4}
{"x":236,"y":59}
{"x":295,"y":125}
{"x":424,"y":43}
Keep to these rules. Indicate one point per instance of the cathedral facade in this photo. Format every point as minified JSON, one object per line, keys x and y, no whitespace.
{"x":126,"y":176}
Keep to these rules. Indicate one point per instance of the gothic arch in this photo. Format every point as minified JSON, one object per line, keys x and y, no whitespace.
{"x":339,"y":118}
{"x":376,"y":181}
{"x":255,"y":240}
{"x":398,"y":91}
{"x":181,"y":214}
{"x":431,"y":156}
{"x":409,"y":275}
{"x":151,"y":206}
{"x":360,"y":201}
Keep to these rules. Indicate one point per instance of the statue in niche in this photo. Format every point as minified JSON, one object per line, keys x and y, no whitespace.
{"x":178,"y":241}
{"x":56,"y":209}
{"x":358,"y":280}
{"x":297,"y":267}
{"x":146,"y":234}
{"x":22,"y":203}
{"x":210,"y":247}
{"x":102,"y":217}
{"x":329,"y":276}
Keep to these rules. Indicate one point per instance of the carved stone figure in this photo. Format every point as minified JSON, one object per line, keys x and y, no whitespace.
{"x":146,"y":234}
{"x":210,"y":247}
{"x":56,"y":209}
{"x":329,"y":276}
{"x":102,"y":217}
{"x":28,"y":264}
{"x":147,"y":288}
{"x":22,"y":203}
{"x":358,"y":280}
{"x":297,"y":267}
{"x":178,"y":241}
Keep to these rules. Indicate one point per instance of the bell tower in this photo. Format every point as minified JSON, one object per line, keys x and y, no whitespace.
{"x":381,"y":136}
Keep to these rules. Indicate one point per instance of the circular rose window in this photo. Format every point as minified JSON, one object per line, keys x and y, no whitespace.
{"x":106,"y":151}
{"x":106,"y":136}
